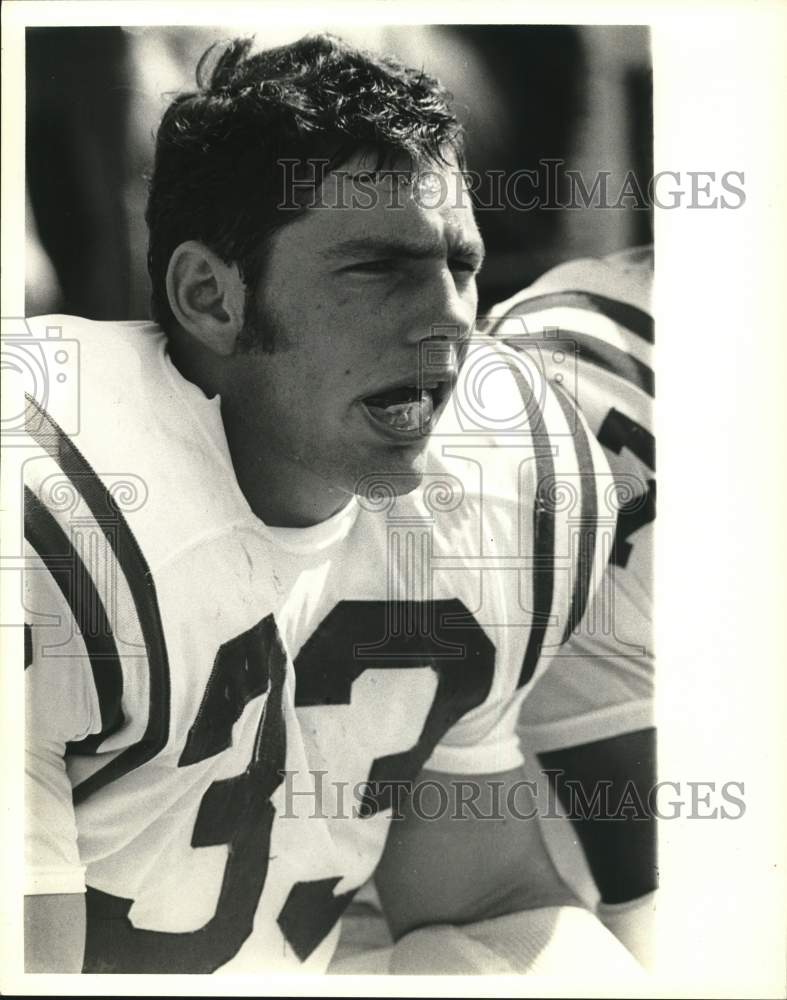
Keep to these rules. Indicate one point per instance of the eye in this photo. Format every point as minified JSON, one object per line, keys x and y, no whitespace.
{"x":466,"y":266}
{"x":370,"y":267}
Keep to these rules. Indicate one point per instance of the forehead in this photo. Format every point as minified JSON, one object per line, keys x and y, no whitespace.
{"x":425,"y":203}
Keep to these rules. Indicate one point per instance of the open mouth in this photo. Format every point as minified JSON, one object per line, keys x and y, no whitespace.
{"x":407,"y":409}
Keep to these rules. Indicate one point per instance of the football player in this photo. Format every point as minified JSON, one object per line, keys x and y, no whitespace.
{"x":304,"y":559}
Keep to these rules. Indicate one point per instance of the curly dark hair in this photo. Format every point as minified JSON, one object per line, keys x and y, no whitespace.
{"x":215,"y":176}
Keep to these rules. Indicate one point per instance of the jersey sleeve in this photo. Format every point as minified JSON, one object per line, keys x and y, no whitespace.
{"x":568,"y":508}
{"x":86,"y":677}
{"x":61,"y":707}
{"x":600,"y":685}
{"x":484,"y":742}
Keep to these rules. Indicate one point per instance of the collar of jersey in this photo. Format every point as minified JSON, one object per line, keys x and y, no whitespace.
{"x":317,"y":536}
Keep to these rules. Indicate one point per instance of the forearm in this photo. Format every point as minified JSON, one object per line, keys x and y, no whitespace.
{"x":472,"y":860}
{"x":54,"y":932}
{"x":605,"y":788}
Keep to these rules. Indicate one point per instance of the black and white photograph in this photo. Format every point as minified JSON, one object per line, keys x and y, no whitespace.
{"x":361,"y":655}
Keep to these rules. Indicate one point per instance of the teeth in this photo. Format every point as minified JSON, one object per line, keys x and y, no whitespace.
{"x":407,"y":416}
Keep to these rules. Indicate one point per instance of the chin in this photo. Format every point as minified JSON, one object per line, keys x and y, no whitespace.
{"x":395,"y":476}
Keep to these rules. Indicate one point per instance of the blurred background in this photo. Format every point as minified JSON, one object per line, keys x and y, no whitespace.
{"x":579,"y":94}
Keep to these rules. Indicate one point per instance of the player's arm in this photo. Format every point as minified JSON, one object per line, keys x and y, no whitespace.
{"x":60,"y":706}
{"x":589,"y":723}
{"x":54,"y":932}
{"x":618,"y":774}
{"x":54,"y":912}
{"x":468,"y":887}
{"x":467,"y":848}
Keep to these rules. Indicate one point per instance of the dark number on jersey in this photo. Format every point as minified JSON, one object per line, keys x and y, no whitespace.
{"x":356,"y":636}
{"x":616,"y":433}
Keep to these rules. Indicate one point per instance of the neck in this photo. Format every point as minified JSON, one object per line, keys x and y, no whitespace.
{"x":277,"y":487}
{"x":280,"y":491}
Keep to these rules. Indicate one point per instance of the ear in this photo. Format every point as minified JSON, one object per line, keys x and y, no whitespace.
{"x":206,"y":295}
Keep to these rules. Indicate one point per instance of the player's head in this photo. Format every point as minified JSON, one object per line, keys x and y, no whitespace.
{"x":234,"y":158}
{"x":309,"y":228}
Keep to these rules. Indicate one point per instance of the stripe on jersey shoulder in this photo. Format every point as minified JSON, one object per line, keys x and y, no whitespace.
{"x":549,"y":326}
{"x":576,"y":461}
{"x":543,"y":524}
{"x":28,"y":645}
{"x":75,"y":583}
{"x":588,"y":511}
{"x":131,"y":562}
{"x":634,"y":319}
{"x":602,"y":355}
{"x":598,"y":390}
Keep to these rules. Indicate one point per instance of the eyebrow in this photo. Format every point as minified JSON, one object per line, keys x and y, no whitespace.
{"x":390,"y":246}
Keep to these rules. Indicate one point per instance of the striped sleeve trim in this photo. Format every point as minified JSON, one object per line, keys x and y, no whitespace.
{"x":596,"y":352}
{"x":563,"y":449}
{"x":628,"y":360}
{"x":588,"y":512}
{"x":69,"y":572}
{"x":636,"y":320}
{"x":543,"y":523}
{"x":50,"y":438}
{"x":612,"y":359}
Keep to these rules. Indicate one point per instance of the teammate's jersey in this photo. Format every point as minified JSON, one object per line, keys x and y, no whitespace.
{"x":238,"y":706}
{"x":591,"y":323}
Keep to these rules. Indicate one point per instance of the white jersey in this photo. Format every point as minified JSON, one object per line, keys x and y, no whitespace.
{"x":238,"y":707}
{"x":591,"y":323}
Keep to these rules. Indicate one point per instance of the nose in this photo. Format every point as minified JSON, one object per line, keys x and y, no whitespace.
{"x":445,"y":311}
{"x":443,"y":320}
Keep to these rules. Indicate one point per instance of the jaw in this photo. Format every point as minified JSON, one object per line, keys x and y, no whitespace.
{"x":392,"y":472}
